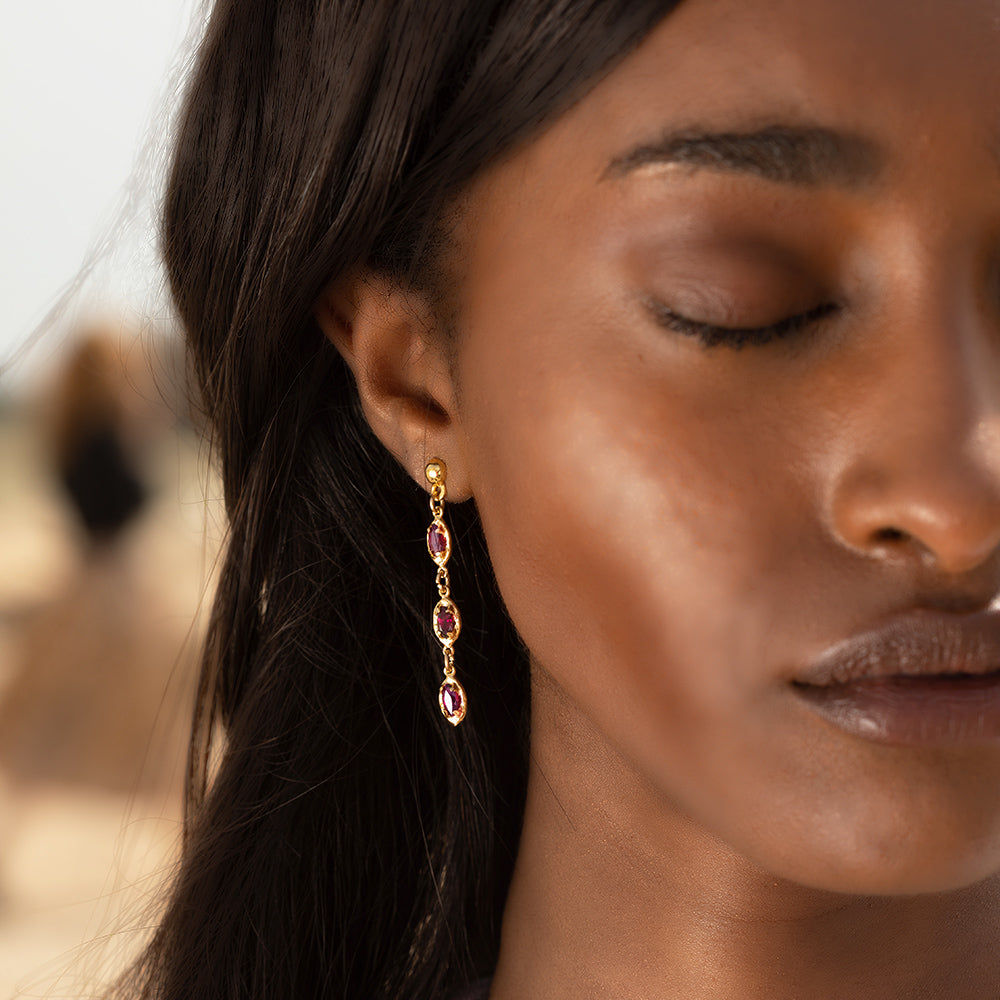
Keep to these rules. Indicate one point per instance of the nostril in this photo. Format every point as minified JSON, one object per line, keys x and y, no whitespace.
{"x":889,"y":536}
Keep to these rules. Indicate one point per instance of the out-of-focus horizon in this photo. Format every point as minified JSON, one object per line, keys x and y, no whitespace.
{"x":84,"y":95}
{"x":108,"y":540}
{"x":108,"y":529}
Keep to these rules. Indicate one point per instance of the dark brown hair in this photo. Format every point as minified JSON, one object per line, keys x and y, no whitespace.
{"x":350,"y":843}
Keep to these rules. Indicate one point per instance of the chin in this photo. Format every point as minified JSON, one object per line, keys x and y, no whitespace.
{"x":916,"y":880}
{"x":918,"y":862}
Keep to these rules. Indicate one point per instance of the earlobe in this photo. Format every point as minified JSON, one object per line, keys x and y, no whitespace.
{"x":390,"y":338}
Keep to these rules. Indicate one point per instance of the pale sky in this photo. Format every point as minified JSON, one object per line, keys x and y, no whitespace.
{"x":81,"y":84}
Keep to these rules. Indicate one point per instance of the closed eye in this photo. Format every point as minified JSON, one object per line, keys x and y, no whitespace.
{"x":737,"y":337}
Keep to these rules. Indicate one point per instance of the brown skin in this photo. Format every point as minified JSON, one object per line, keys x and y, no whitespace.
{"x":676,"y":529}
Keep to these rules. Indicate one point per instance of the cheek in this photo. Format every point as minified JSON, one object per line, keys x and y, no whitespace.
{"x":629,"y":536}
{"x":656,"y":591}
{"x":655,"y":524}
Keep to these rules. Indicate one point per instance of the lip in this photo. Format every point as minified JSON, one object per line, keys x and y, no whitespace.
{"x":923,"y":679}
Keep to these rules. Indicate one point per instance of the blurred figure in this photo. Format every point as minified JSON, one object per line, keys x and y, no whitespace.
{"x":104,"y":561}
{"x":99,"y":476}
{"x":94,"y":661}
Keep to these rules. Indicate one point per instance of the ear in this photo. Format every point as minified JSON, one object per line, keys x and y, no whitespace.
{"x":391,"y":340}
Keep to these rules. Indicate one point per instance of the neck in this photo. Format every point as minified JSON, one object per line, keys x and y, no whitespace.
{"x":615,"y":894}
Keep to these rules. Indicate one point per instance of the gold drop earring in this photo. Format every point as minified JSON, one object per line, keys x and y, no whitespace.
{"x":446,"y":620}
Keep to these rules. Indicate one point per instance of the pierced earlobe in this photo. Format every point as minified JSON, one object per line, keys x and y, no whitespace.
{"x":388,"y":335}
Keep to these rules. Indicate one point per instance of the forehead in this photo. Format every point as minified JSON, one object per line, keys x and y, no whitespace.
{"x":823,"y":56}
{"x":913,"y":76}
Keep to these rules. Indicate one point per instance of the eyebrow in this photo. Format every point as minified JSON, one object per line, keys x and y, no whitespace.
{"x":786,"y":154}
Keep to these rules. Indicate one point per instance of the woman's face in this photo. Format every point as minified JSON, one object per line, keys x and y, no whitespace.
{"x":682,"y":520}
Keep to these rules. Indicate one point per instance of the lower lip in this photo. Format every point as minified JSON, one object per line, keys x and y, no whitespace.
{"x":912,"y":711}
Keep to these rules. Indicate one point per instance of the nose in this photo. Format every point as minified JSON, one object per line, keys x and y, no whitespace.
{"x":920,"y":473}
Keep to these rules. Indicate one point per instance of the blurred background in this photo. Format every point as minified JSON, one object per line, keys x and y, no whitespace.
{"x":109,"y":517}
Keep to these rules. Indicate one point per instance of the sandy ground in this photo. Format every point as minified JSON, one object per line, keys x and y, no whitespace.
{"x":81,"y":874}
{"x":97,"y":662}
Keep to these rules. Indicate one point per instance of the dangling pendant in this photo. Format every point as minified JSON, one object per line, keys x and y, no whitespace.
{"x":451,"y":698}
{"x":447,"y":623}
{"x":439,"y":542}
{"x":445,"y":619}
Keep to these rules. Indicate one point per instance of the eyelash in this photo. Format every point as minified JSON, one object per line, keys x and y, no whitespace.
{"x":738,"y":337}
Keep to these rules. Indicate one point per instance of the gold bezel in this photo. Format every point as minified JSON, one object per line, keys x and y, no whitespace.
{"x":460,"y":714}
{"x":439,"y":557}
{"x":446,"y":640}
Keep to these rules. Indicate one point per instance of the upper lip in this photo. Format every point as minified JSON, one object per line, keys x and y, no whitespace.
{"x":918,"y":644}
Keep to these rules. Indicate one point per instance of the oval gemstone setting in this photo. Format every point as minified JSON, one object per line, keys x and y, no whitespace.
{"x":439,"y":542}
{"x":447,"y":621}
{"x":451,"y":698}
